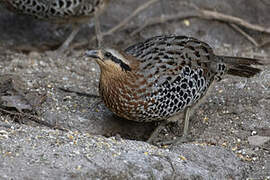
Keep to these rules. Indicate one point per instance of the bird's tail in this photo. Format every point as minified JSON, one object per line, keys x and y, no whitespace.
{"x":239,"y":66}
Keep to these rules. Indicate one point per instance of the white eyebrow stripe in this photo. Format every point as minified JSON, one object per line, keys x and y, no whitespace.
{"x":118,"y":55}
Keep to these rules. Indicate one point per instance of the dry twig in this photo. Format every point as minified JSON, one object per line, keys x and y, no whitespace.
{"x":32,"y":118}
{"x":125,"y":21}
{"x":246,"y":35}
{"x":79,"y":93}
{"x":210,"y":15}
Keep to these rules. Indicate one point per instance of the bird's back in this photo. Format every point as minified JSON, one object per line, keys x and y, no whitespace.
{"x":178,"y":71}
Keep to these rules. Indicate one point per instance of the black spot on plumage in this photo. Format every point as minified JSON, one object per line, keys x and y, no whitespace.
{"x":166,"y":84}
{"x":160,"y":54}
{"x":61,"y":4}
{"x":69,"y":3}
{"x":200,"y":73}
{"x":38,"y":8}
{"x":146,"y":54}
{"x":188,"y":100}
{"x":42,"y":8}
{"x":180,"y":37}
{"x":186,"y":70}
{"x":164,"y":113}
{"x":193,"y":92}
{"x":177,"y":79}
{"x":184,"y":85}
{"x":163,"y":67}
{"x":165,"y":91}
{"x":191,"y":48}
{"x":184,"y":80}
{"x":171,"y":52}
{"x":181,"y":93}
{"x":199,"y":83}
{"x":190,"y":83}
{"x":195,"y":76}
{"x":157,"y":71}
{"x":180,"y":104}
{"x":168,"y":95}
{"x":171,"y":62}
{"x":163,"y":106}
{"x":202,"y":82}
{"x":197,"y":54}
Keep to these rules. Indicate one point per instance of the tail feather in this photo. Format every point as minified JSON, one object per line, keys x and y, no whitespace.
{"x":239,"y":66}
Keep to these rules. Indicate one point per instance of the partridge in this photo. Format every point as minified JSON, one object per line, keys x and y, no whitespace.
{"x":75,"y":12}
{"x":163,"y":77}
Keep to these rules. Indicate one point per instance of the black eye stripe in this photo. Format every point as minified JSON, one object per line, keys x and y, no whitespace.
{"x":123,"y":65}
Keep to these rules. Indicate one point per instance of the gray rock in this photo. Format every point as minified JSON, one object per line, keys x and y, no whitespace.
{"x":57,"y":155}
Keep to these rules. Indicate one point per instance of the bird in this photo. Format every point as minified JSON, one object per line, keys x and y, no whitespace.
{"x":163,"y":78}
{"x":75,"y":12}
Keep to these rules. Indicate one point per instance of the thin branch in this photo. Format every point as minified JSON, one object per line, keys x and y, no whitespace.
{"x":79,"y":93}
{"x":264,"y":44}
{"x":235,"y":20}
{"x":125,"y":21}
{"x":246,"y":35}
{"x":204,"y":14}
{"x":32,"y":118}
{"x":165,"y":18}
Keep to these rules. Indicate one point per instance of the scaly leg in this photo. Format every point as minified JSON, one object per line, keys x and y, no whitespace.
{"x":187,"y":115}
{"x":183,"y":138}
{"x":75,"y":29}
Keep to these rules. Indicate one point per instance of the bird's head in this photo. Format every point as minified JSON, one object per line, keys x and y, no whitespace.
{"x":111,"y":60}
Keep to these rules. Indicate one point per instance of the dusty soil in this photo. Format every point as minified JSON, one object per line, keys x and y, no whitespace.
{"x":236,"y":111}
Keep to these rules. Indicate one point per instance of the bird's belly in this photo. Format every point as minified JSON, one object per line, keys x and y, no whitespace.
{"x":157,"y":106}
{"x":159,"y":101}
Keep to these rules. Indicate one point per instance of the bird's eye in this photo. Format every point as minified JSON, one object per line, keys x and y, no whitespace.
{"x":108,"y":55}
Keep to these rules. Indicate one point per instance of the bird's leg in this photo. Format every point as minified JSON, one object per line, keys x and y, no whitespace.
{"x":65,"y":45}
{"x":98,"y":31}
{"x":154,"y":134}
{"x":187,"y":115}
{"x":183,"y":138}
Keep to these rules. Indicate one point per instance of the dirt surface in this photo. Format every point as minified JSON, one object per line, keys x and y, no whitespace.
{"x":44,"y":130}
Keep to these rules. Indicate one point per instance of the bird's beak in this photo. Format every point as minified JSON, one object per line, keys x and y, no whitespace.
{"x":92,"y":54}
